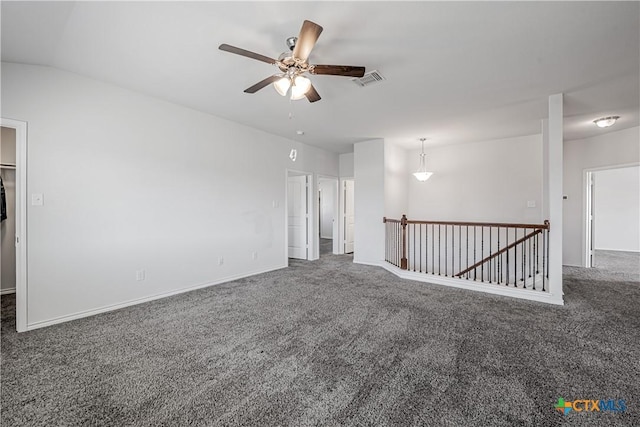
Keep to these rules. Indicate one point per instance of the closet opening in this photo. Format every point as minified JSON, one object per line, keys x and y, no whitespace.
{"x":13,"y":226}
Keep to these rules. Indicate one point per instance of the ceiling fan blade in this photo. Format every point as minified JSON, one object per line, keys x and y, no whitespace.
{"x":338,"y":70}
{"x":248,"y":54}
{"x":309,"y":34}
{"x":312,"y":94}
{"x":266,"y":82}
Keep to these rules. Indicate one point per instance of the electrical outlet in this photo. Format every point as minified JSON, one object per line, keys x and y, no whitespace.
{"x":220,"y":260}
{"x":140,"y":275}
{"x":531,"y":203}
{"x":254,"y":255}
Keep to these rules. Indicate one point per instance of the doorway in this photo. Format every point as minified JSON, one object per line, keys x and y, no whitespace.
{"x":298,"y":219}
{"x":612,"y":214}
{"x":328,"y":235}
{"x":13,"y":156}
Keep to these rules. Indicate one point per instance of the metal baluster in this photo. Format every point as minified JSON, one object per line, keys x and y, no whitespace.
{"x":433,"y":239}
{"x":426,"y":248}
{"x":515,"y":259}
{"x":507,"y":269}
{"x":475,"y":276}
{"x":547,"y":256}
{"x":524,"y":248}
{"x":498,"y":263}
{"x":534,"y":255}
{"x":445,"y":249}
{"x":439,"y":249}
{"x":482,"y":253}
{"x":420,"y":240}
{"x":468,"y":251}
{"x":459,"y":248}
{"x":490,"y":244}
{"x":530,"y":257}
{"x":415,"y":249}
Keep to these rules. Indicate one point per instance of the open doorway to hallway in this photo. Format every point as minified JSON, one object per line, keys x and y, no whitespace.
{"x":613,"y":219}
{"x":328,"y":233}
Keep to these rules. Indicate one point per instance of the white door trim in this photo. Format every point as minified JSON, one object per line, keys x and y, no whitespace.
{"x":586,"y":225}
{"x":343,"y":213}
{"x":21,"y":221}
{"x":311,"y":190}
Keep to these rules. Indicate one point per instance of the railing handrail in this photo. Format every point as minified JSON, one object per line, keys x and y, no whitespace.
{"x":515,"y":261}
{"x":544,"y":226}
{"x":500,"y":252}
{"x":385,"y":219}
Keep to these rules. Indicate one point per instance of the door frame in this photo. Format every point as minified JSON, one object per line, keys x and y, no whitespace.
{"x":335,"y":232}
{"x":588,"y":226}
{"x":343,"y":212}
{"x":21,"y":220}
{"x":310,"y":216}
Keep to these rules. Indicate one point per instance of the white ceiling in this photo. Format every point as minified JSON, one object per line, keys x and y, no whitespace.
{"x":456,"y":71}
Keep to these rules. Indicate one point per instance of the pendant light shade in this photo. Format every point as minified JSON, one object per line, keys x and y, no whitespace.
{"x":282,"y":85}
{"x":422,"y":174}
{"x":300,"y":87}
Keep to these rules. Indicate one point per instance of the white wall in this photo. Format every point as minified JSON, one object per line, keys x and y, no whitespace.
{"x":369,"y":173}
{"x":617,"y":209}
{"x":482,"y":181}
{"x":396,"y":176}
{"x":131,"y":182}
{"x":603,"y":151}
{"x":346,"y":165}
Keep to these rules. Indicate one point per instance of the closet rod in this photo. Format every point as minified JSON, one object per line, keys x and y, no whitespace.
{"x":7,"y":166}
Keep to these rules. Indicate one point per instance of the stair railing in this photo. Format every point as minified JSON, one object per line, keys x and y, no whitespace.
{"x":498,"y":253}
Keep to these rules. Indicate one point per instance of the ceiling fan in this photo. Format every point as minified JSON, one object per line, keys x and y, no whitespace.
{"x":294,"y":65}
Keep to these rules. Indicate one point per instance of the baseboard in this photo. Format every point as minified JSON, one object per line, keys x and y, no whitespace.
{"x":93,"y":312}
{"x":526,"y":294}
{"x":7,"y":291}
{"x":617,"y":250}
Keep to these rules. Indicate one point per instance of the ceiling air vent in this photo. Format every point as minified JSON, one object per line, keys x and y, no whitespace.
{"x":369,"y":78}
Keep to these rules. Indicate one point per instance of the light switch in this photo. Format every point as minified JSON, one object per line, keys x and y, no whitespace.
{"x":37,"y":199}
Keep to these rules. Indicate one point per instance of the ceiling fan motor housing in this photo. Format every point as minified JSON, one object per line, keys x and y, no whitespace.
{"x":291,"y":42}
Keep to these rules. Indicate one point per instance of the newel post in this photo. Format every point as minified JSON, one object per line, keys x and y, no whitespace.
{"x":403,"y":260}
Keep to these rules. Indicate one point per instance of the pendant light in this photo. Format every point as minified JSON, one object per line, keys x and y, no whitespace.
{"x":422,"y":174}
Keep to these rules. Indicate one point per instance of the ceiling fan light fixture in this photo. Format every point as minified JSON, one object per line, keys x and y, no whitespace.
{"x":605,"y":122}
{"x":300,"y":87}
{"x":282,"y":85}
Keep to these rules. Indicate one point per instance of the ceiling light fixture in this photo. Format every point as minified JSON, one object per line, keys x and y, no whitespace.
{"x":298,"y":84}
{"x":300,"y":87}
{"x":422,"y":174}
{"x":605,"y":122}
{"x":282,"y":85}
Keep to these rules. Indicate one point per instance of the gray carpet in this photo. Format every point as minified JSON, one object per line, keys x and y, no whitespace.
{"x":627,"y":263}
{"x":332,"y":343}
{"x":326,"y":246}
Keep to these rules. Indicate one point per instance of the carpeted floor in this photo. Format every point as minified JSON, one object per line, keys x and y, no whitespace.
{"x":618,"y":261}
{"x":332,"y":343}
{"x":326,"y":246}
